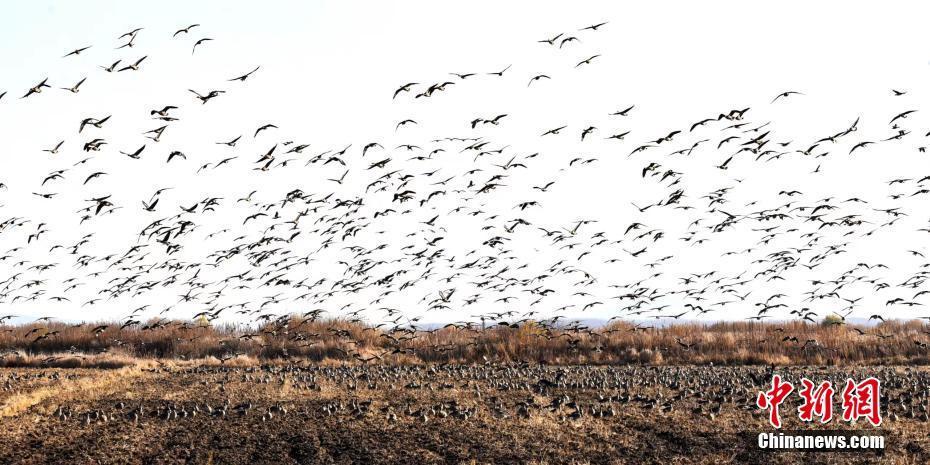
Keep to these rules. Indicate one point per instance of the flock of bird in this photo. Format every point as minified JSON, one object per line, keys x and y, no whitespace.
{"x":500,"y":391}
{"x":399,"y":233}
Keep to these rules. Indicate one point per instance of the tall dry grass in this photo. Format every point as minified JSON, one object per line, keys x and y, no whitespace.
{"x":724,"y":343}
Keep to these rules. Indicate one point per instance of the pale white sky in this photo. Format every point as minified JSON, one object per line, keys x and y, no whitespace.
{"x":328,"y":70}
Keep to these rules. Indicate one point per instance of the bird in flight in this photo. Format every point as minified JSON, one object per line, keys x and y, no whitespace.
{"x":404,"y":88}
{"x":623,"y":112}
{"x":231,"y":143}
{"x":185,"y":30}
{"x":134,"y":66}
{"x":552,"y":40}
{"x":246,"y":75}
{"x":74,"y":89}
{"x":37,"y":89}
{"x":404,"y":123}
{"x":112,"y":67}
{"x":210,"y":95}
{"x":587,"y":61}
{"x":201,"y":41}
{"x":264,"y":127}
{"x":135,"y":155}
{"x":536,"y":78}
{"x":130,"y":34}
{"x":553,"y":131}
{"x":76,"y":51}
{"x":568,"y":40}
{"x":500,"y":73}
{"x":901,"y":115}
{"x":785,"y":95}
{"x":593,"y":27}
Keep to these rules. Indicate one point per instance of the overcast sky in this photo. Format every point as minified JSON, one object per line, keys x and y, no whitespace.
{"x":328,"y":73}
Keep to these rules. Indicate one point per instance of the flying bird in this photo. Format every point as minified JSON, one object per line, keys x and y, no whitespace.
{"x":553,"y":131}
{"x":586,"y":61}
{"x":552,"y":40}
{"x":76,"y":87}
{"x":785,"y":95}
{"x":404,"y":123}
{"x":623,"y":112}
{"x":246,"y":75}
{"x":37,"y":88}
{"x":404,"y":88}
{"x":134,"y":66}
{"x":536,"y":78}
{"x":593,"y":27}
{"x":201,"y":41}
{"x":206,"y":98}
{"x":54,"y":150}
{"x":262,"y":128}
{"x":76,"y":51}
{"x":500,"y":73}
{"x":185,"y":30}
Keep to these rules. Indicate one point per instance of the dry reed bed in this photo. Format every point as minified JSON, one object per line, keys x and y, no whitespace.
{"x":727,"y":343}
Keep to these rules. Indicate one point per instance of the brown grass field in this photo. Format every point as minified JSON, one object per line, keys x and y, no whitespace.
{"x":302,"y":393}
{"x":725,"y":343}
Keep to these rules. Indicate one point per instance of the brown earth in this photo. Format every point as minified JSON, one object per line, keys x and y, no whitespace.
{"x":481,"y":414}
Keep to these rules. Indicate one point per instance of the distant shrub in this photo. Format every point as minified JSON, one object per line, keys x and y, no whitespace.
{"x":340,"y":341}
{"x":832,"y":320}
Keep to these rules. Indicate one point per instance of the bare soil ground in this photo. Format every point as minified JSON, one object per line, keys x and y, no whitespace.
{"x":423,"y":415}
